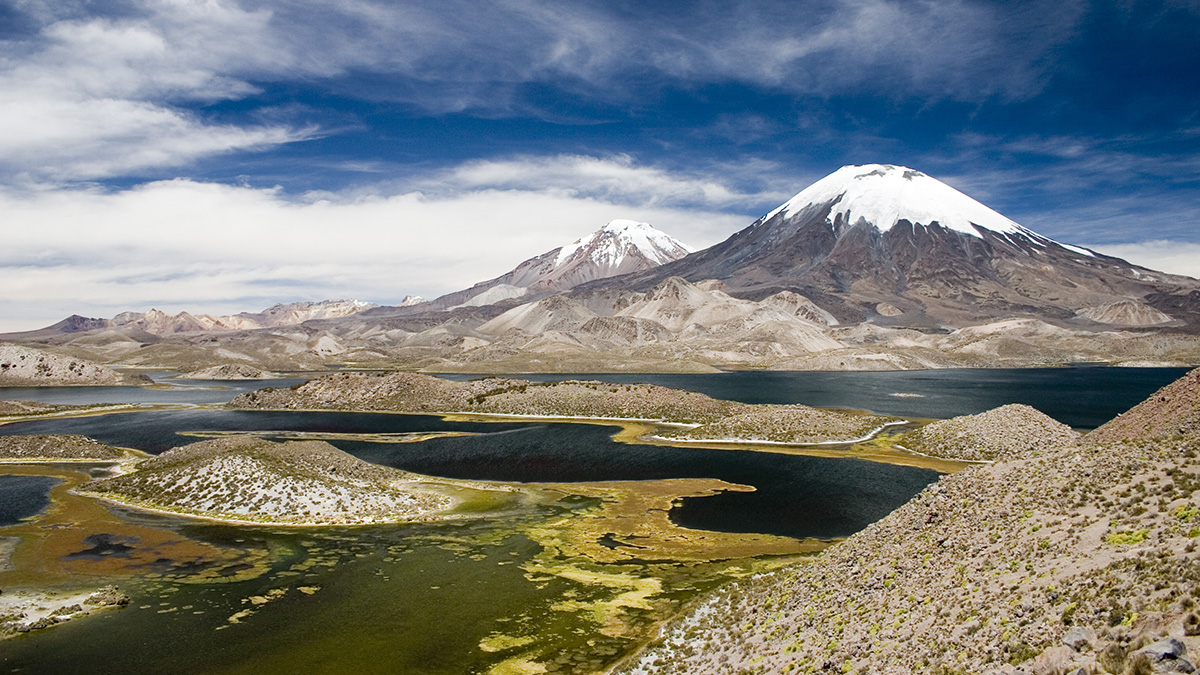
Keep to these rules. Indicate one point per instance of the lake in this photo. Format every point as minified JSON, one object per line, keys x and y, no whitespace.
{"x":795,"y":496}
{"x":1083,"y":397}
{"x":487,"y":595}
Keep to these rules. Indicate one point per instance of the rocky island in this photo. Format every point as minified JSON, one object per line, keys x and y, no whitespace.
{"x":59,"y":448}
{"x":707,"y":419}
{"x":229,"y":371}
{"x":246,"y":479}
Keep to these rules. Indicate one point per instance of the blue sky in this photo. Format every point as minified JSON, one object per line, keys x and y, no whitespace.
{"x":220,"y":156}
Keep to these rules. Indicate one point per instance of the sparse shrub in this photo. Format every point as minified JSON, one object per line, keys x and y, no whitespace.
{"x":1126,"y":537}
{"x":1020,"y":652}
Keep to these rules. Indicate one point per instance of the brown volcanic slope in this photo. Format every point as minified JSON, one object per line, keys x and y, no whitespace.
{"x":1171,"y":411}
{"x":939,"y":258}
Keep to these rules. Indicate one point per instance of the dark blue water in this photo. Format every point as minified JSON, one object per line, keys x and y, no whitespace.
{"x":23,"y":497}
{"x":795,"y":495}
{"x":1082,"y":397}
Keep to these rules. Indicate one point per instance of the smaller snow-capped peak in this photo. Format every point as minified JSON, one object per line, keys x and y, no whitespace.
{"x":883,"y":195}
{"x":612,"y":244}
{"x":620,"y":247}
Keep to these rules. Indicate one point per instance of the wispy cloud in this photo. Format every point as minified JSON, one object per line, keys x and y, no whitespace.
{"x":617,"y":179}
{"x":104,"y":95}
{"x":99,"y":97}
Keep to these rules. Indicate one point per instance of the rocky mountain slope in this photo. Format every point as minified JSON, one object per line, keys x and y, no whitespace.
{"x":893,"y":245}
{"x":1054,"y":559}
{"x":157,"y":323}
{"x":250,"y":479}
{"x":1173,"y":411}
{"x":620,"y":247}
{"x":22,"y":366}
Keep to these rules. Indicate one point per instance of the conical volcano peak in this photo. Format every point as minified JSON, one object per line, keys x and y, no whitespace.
{"x":620,"y":239}
{"x":883,"y":194}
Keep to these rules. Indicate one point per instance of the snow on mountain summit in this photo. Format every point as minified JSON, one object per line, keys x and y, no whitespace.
{"x":612,"y":244}
{"x":620,"y":247}
{"x":883,"y":195}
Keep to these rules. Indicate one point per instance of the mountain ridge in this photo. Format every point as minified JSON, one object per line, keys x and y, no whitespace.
{"x":850,"y":244}
{"x":619,"y":247}
{"x":159,"y":323}
{"x":871,"y":268}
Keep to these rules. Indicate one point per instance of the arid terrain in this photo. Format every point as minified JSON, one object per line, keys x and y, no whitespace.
{"x":702,"y":418}
{"x":1058,"y":557}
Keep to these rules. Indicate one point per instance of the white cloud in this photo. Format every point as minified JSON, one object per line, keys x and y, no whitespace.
{"x":616,"y":178}
{"x":1174,"y":257}
{"x":204,"y":247}
{"x":94,"y":98}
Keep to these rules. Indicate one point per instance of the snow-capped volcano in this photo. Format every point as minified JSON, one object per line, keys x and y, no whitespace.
{"x":893,"y":245}
{"x":620,"y":247}
{"x":883,"y":195}
{"x":620,"y":244}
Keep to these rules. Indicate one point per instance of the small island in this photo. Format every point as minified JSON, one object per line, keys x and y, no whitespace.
{"x":60,"y":448}
{"x":251,"y":480}
{"x":692,"y":417}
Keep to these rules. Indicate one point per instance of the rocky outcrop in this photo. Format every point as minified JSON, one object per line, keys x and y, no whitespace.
{"x":1008,"y":432}
{"x":23,"y":611}
{"x":1126,"y":313}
